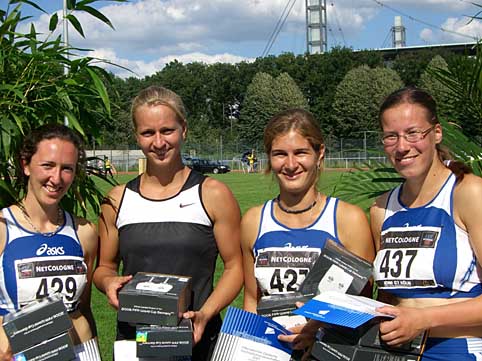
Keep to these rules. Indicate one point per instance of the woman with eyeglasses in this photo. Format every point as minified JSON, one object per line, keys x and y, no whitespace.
{"x":428,"y":235}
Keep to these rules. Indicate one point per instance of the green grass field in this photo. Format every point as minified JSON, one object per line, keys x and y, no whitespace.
{"x":249,"y":190}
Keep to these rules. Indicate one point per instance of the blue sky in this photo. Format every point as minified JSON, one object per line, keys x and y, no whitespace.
{"x":151,"y":33}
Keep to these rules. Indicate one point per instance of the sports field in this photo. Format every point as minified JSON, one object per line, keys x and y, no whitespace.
{"x":249,"y":190}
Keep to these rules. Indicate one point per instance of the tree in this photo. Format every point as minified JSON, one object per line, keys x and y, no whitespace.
{"x":411,"y":65}
{"x":265,"y":97}
{"x":35,"y":91}
{"x":436,"y":88}
{"x":358,"y":97}
{"x":464,"y":81}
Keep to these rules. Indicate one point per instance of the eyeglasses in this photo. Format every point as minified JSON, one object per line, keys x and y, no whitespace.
{"x":412,"y":136}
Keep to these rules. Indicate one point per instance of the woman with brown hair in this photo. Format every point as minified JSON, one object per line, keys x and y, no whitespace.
{"x":283,"y":238}
{"x":37,"y":231}
{"x":428,"y":235}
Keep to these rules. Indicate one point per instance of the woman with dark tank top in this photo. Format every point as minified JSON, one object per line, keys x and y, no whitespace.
{"x":171,"y":220}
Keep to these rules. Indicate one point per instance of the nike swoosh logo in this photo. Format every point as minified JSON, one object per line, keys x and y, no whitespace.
{"x":182,"y":205}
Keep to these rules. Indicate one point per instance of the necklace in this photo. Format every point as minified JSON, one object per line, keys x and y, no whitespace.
{"x":26,"y":216}
{"x":295,"y":211}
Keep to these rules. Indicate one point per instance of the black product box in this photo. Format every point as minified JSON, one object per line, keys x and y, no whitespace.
{"x":279,"y":305}
{"x":36,"y":323}
{"x":165,"y":341}
{"x":337,"y":269}
{"x":58,"y":348}
{"x":154,"y":299}
{"x":371,"y":338}
{"x":280,"y":308}
{"x":342,"y":351}
{"x":335,"y":346}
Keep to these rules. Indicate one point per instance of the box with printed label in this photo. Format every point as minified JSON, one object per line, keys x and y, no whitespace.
{"x":280,"y":308}
{"x":165,"y":341}
{"x":364,"y":346}
{"x":36,"y":322}
{"x":279,"y":305}
{"x":154,"y":299}
{"x":371,"y":338}
{"x":58,"y":348}
{"x":336,"y":269}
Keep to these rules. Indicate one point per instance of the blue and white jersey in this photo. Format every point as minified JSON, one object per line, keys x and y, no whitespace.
{"x":283,"y":255}
{"x":423,"y":253}
{"x":35,"y":265}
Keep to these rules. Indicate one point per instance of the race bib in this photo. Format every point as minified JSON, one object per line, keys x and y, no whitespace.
{"x":406,"y":257}
{"x":282,"y":270}
{"x":39,"y":277}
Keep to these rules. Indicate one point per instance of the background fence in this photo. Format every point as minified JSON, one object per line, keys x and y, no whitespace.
{"x":340,"y":153}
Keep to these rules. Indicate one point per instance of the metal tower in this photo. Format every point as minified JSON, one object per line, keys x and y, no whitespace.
{"x":398,"y":33}
{"x":316,"y":37}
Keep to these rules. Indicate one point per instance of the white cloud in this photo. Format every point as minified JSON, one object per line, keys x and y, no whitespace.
{"x":457,"y":30}
{"x":141,"y":68}
{"x":427,"y":36}
{"x":150,"y":33}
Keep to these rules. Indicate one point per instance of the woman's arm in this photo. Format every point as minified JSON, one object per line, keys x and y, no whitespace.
{"x":5,"y":350}
{"x":106,"y":277}
{"x":249,"y":231}
{"x":354,"y":230}
{"x":224,"y":211}
{"x":89,"y":240}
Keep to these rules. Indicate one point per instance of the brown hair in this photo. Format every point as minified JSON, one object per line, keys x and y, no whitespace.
{"x":45,"y":132}
{"x":414,"y":95}
{"x":158,"y":95}
{"x":299,"y":120}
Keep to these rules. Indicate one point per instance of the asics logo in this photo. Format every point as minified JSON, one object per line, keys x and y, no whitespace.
{"x":50,"y":251}
{"x":182,"y":205}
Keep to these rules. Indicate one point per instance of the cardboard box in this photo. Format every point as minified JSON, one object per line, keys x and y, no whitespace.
{"x":125,"y":350}
{"x":338,"y":350}
{"x":58,"y":348}
{"x":335,"y":346}
{"x":280,"y":308}
{"x":371,"y":338}
{"x":154,"y":299}
{"x":165,"y":341}
{"x":337,"y":269}
{"x":36,"y":323}
{"x":279,"y":305}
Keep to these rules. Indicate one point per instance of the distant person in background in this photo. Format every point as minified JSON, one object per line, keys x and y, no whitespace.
{"x":171,"y":220}
{"x":297,"y":223}
{"x":436,"y":213}
{"x":108,"y":166}
{"x":32,"y":229}
{"x":251,"y":161}
{"x":245,"y":161}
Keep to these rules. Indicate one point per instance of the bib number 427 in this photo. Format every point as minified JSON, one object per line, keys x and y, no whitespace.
{"x":285,"y":280}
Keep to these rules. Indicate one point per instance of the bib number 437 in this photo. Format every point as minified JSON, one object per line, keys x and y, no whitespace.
{"x":397,"y":263}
